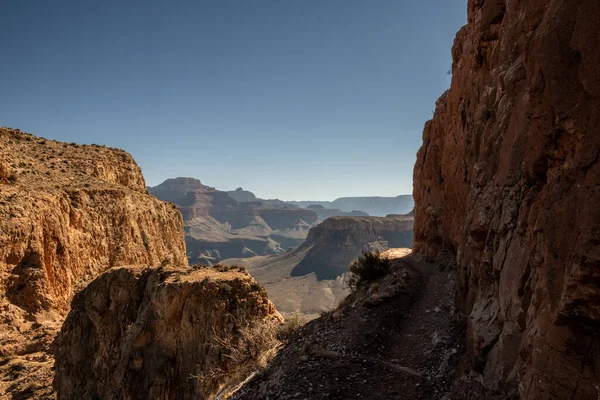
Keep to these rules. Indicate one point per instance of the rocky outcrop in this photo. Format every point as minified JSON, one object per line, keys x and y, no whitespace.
{"x":506,"y":184}
{"x":67,"y":214}
{"x":168,"y":333}
{"x":338,"y":240}
{"x":219,"y":227}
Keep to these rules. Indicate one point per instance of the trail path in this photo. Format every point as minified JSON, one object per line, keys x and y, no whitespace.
{"x":401,"y":346}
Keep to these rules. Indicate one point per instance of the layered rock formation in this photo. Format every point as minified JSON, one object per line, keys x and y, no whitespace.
{"x":67,"y":214}
{"x":219,"y":227}
{"x":167,"y":333}
{"x":507,"y":185}
{"x":312,"y":278}
{"x":338,"y":240}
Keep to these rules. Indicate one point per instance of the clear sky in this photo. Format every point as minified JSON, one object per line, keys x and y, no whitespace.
{"x":293,"y":99}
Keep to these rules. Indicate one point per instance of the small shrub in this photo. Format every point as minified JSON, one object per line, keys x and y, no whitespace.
{"x":12,"y":178}
{"x":290,"y":324}
{"x":367,"y":268}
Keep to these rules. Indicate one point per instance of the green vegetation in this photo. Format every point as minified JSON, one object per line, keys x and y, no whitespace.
{"x":367,"y":268}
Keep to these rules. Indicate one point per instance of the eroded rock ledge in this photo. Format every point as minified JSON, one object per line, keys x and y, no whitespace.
{"x":167,"y":333}
{"x":507,"y":184}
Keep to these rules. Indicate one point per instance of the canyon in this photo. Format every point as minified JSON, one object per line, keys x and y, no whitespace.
{"x":70,"y":213}
{"x":313,"y":278}
{"x":102,"y":295}
{"x":219,"y":227}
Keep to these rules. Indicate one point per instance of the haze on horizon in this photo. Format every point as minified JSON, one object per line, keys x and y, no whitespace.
{"x":297,"y":100}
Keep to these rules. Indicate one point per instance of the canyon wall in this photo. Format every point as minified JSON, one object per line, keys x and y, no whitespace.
{"x":335,"y":242}
{"x":68,"y":213}
{"x":71,"y":213}
{"x":506,"y":184}
{"x":218,"y":227}
{"x":168,"y":333}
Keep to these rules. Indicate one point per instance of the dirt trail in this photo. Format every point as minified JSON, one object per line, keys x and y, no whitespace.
{"x":398,"y":342}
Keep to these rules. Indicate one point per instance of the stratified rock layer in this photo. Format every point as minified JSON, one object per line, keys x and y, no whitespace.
{"x":68,"y":213}
{"x":218,"y":227}
{"x":507,"y":183}
{"x":167,"y":333}
{"x":334,"y":243}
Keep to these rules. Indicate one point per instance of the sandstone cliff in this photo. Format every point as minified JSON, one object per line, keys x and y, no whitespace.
{"x":506,"y":184}
{"x":338,"y":240}
{"x":67,"y":214}
{"x":167,"y":333}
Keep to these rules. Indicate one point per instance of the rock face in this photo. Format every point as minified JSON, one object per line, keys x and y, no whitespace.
{"x":506,"y":183}
{"x":168,"y":333}
{"x":73,"y":212}
{"x":67,"y":214}
{"x":218,"y":227}
{"x":338,"y":240}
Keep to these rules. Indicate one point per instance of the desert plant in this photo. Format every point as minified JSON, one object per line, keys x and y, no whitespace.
{"x":290,"y":324}
{"x":367,"y":268}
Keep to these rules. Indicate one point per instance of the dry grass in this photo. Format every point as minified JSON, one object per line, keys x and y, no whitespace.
{"x":290,"y":324}
{"x":249,"y":348}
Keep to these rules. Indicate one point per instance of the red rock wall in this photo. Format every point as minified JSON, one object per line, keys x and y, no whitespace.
{"x":507,"y":184}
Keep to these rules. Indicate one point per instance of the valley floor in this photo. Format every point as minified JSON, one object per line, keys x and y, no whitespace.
{"x":398,"y":341}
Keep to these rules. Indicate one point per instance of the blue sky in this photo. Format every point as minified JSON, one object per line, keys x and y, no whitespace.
{"x":294,"y":99}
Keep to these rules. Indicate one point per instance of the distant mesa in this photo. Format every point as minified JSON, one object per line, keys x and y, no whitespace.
{"x":233,"y":224}
{"x":241,"y":196}
{"x":375,"y":206}
{"x":238,"y":224}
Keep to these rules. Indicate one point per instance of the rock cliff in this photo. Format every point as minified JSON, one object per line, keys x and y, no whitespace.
{"x":168,"y":333}
{"x":507,"y":185}
{"x":338,"y":240}
{"x":67,"y":214}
